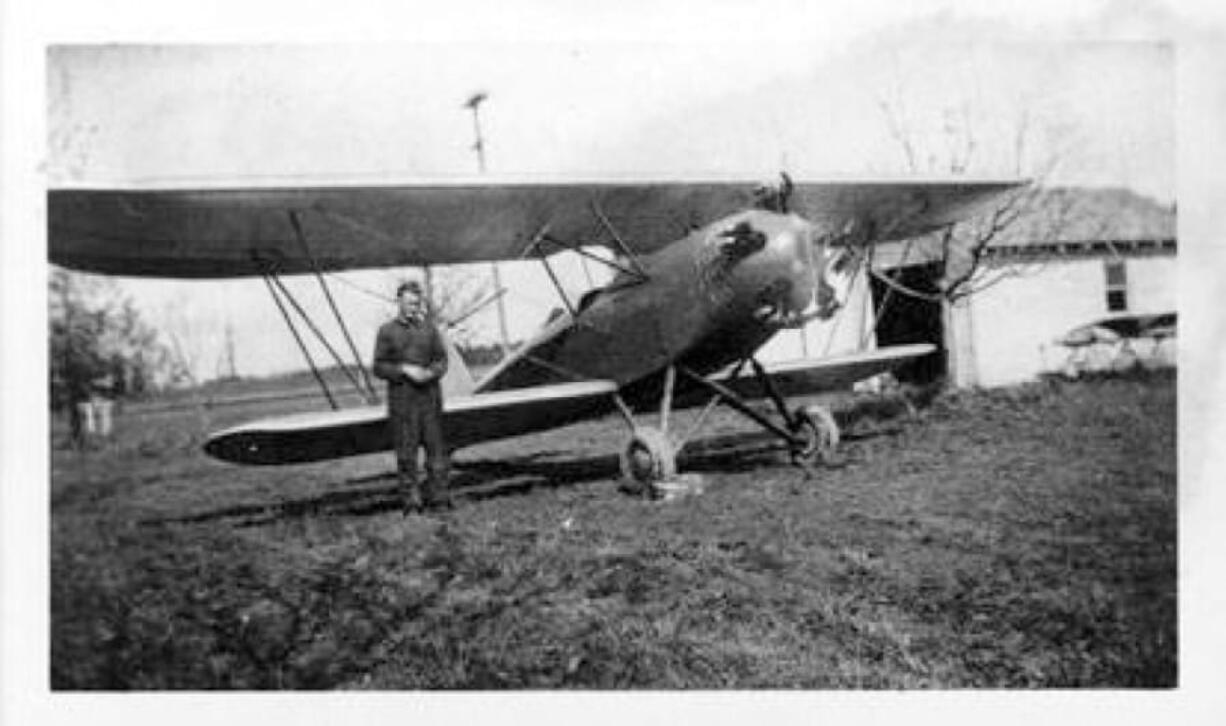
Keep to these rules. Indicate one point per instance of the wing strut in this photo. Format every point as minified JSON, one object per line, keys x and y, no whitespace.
{"x":706,"y":410}
{"x":810,"y":432}
{"x":301,"y":345}
{"x":731,"y":399}
{"x":369,"y":393}
{"x":621,"y":245}
{"x":635,"y":271}
{"x":536,"y":248}
{"x":318,"y":334}
{"x":768,"y":386}
{"x":557,"y":285}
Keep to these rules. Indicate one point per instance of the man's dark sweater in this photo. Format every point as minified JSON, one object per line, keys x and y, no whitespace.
{"x":417,"y":342}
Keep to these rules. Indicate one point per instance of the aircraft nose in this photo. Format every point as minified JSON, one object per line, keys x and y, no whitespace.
{"x":791,"y":271}
{"x":816,"y":285}
{"x":802,"y":266}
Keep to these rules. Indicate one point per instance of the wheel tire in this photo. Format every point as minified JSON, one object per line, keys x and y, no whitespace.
{"x":821,"y":436}
{"x":647,"y":458}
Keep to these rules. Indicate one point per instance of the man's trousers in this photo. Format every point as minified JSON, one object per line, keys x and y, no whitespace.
{"x":416,"y":417}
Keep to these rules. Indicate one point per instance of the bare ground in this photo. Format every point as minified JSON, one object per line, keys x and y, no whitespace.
{"x":1005,"y":539}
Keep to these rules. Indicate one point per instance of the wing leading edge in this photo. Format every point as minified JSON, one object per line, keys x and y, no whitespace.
{"x":472,"y":419}
{"x":467,"y":420}
{"x":236,"y":232}
{"x":802,"y":377}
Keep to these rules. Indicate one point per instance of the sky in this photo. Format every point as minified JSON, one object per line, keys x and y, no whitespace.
{"x":747,"y":90}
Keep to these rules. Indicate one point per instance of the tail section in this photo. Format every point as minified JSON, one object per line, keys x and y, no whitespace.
{"x":458,"y":381}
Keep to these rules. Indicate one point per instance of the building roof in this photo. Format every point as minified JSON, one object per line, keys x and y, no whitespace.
{"x":1057,"y":221}
{"x":1082,"y":215}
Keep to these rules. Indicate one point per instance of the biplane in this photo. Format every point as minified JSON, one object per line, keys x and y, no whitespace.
{"x":704,"y":274}
{"x":1119,"y":342}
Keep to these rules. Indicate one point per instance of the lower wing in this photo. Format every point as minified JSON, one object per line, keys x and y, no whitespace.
{"x":467,"y":420}
{"x":834,"y":373}
{"x":481,"y":417}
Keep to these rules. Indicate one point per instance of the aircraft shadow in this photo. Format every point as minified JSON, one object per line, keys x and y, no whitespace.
{"x":729,"y":453}
{"x":480,"y":479}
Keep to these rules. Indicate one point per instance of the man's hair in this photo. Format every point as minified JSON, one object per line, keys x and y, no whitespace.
{"x":409,"y":286}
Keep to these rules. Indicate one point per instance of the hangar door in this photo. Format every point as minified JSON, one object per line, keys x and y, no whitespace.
{"x":905,"y":318}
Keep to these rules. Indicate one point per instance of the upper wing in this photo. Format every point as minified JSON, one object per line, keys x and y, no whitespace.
{"x":891,"y":211}
{"x":232,"y":232}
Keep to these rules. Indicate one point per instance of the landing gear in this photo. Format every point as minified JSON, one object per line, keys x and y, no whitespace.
{"x":810,"y":432}
{"x":648,"y":458}
{"x":818,"y":436}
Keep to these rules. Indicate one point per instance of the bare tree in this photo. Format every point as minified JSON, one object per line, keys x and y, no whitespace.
{"x":98,"y":344}
{"x":456,"y":293}
{"x":191,"y":343}
{"x":963,"y":250}
{"x":962,"y":139}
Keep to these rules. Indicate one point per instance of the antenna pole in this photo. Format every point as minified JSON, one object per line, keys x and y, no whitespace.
{"x":474,"y":103}
{"x":479,"y":145}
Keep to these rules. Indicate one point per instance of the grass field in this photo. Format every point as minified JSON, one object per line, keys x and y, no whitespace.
{"x":1008,"y":539}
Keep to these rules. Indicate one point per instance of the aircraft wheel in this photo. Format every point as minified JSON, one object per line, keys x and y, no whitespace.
{"x":820,"y":433}
{"x":648,"y":458}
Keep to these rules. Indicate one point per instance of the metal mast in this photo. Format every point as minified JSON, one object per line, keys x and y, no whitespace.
{"x":474,"y":103}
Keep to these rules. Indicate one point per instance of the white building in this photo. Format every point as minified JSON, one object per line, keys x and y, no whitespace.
{"x":1110,"y":253}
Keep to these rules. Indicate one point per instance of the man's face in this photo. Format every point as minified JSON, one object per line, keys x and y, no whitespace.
{"x":411,"y":304}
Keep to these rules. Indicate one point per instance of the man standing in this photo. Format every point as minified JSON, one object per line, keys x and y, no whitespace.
{"x":411,"y":357}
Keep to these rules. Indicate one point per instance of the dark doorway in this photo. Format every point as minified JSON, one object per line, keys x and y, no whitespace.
{"x":908,"y":319}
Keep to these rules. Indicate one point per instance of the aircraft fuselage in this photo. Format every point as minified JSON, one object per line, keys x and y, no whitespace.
{"x":708,"y":300}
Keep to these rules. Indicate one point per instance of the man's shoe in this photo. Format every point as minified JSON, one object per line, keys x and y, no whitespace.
{"x":411,"y":503}
{"x":443,"y":503}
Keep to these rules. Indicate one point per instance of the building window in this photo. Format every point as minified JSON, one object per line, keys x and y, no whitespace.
{"x":1117,"y":286}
